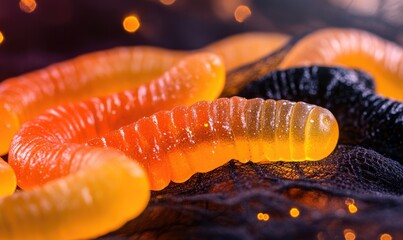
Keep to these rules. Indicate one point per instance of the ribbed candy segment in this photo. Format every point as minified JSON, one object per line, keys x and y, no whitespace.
{"x":107,"y":191}
{"x":40,"y":151}
{"x":105,"y":72}
{"x":208,"y":134}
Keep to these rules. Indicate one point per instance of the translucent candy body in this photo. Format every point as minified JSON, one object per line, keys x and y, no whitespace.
{"x":42,"y":145}
{"x":364,"y":117}
{"x":356,"y":49}
{"x":95,"y":74}
{"x":86,"y":203}
{"x":171,"y":145}
{"x":174,"y":145}
{"x":244,"y":48}
{"x":105,"y":72}
{"x":104,"y":191}
{"x":8,"y":181}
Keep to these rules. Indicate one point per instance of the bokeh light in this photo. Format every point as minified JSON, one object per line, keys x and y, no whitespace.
{"x":263,"y":217}
{"x":28,"y":6}
{"x":349,"y":234}
{"x":385,"y":236}
{"x":167,"y":2}
{"x":1,"y":37}
{"x":131,"y":24}
{"x":294,"y":212}
{"x":352,"y":208}
{"x":242,"y":12}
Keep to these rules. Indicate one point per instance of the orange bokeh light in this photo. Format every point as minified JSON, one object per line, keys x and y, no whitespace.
{"x":1,"y":37}
{"x":385,"y":236}
{"x":28,"y":6}
{"x":263,"y":216}
{"x":349,"y":234}
{"x":131,"y":24}
{"x":352,"y":208}
{"x":294,"y":212}
{"x":242,"y":12}
{"x":167,"y":2}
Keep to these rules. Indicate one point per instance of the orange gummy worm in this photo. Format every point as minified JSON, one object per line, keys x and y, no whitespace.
{"x":353,"y":48}
{"x":104,"y":72}
{"x":8,"y":181}
{"x":171,"y":145}
{"x":95,"y":74}
{"x":244,"y":48}
{"x":197,"y":77}
{"x":174,"y":145}
{"x":86,"y":203}
{"x":106,"y":191}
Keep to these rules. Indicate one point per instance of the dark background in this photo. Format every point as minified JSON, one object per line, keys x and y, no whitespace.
{"x":61,"y":29}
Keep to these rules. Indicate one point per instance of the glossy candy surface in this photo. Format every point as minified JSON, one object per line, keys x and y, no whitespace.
{"x":95,"y":74}
{"x":8,"y":182}
{"x":243,"y":48}
{"x":105,"y":72}
{"x":356,"y":49}
{"x":104,"y":190}
{"x":364,"y":117}
{"x":41,"y":146}
{"x":101,"y":189}
{"x":174,"y":145}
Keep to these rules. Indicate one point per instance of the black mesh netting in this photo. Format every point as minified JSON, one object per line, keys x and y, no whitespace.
{"x":364,"y":117}
{"x":225,"y":203}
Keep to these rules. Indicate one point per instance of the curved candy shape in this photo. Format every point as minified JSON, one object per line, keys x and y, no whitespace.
{"x":243,"y":48}
{"x":103,"y":189}
{"x":105,"y":72}
{"x":8,"y":181}
{"x":104,"y":193}
{"x":365,"y":118}
{"x":95,"y":74}
{"x":170,"y":145}
{"x":42,"y":144}
{"x":239,"y":77}
{"x":356,"y":49}
{"x":174,"y":145}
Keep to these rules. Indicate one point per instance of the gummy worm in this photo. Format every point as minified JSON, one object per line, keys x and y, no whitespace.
{"x":356,"y":49}
{"x":364,"y":117}
{"x":197,"y":77}
{"x":85,"y":202}
{"x":105,"y":192}
{"x":105,"y":72}
{"x":173,"y":145}
{"x":8,"y":181}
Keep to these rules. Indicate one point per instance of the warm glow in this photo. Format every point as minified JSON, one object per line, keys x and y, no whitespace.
{"x":28,"y":6}
{"x":242,"y":12}
{"x":263,"y":217}
{"x":349,"y":201}
{"x":349,"y":234}
{"x":206,"y":124}
{"x":352,"y":208}
{"x":1,"y":37}
{"x":167,"y":2}
{"x":385,"y":236}
{"x":294,"y":212}
{"x":131,"y":24}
